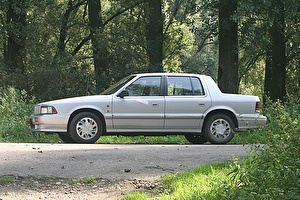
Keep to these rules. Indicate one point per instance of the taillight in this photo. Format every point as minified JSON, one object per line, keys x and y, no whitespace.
{"x":257,"y":107}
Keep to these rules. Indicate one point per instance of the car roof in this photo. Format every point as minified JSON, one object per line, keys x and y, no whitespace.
{"x":167,"y":74}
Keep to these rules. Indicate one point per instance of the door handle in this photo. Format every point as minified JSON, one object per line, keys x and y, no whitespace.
{"x":155,"y":104}
{"x":201,"y":104}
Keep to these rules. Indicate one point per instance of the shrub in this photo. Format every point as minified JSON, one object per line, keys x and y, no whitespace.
{"x":15,"y":109}
{"x":273,"y":170}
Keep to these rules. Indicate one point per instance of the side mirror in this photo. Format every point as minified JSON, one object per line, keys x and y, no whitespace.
{"x":123,"y":94}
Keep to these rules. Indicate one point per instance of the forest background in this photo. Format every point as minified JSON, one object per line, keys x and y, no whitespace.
{"x":51,"y":49}
{"x":63,"y":48}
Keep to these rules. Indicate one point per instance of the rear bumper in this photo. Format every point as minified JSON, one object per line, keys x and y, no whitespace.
{"x":247,"y":122}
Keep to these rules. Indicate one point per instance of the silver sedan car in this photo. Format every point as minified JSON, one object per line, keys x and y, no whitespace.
{"x":152,"y":104}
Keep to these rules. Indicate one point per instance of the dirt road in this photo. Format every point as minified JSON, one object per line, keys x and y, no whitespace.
{"x":108,"y":162}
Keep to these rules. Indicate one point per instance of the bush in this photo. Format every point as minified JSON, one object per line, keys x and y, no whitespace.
{"x":273,"y":170}
{"x":15,"y":109}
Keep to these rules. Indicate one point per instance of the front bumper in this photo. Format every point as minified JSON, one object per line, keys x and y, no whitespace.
{"x":48,"y":123}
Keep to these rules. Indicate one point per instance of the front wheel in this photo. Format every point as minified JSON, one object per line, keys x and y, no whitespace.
{"x":218,"y":129}
{"x":86,"y":127}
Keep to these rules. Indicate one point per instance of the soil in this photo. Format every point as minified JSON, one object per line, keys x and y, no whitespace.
{"x":61,"y":188}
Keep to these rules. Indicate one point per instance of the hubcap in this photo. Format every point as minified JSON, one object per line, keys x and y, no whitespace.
{"x":87,"y":128}
{"x":220,"y":129}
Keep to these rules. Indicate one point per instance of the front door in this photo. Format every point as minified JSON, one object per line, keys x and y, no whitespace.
{"x":143,"y":109}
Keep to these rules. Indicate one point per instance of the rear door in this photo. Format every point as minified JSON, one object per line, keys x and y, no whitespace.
{"x":185,"y":103}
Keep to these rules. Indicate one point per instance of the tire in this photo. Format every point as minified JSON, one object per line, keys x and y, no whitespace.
{"x":195,"y":139}
{"x":218,"y":129}
{"x":66,"y":138}
{"x":86,"y":127}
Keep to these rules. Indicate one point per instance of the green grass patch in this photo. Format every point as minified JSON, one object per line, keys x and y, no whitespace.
{"x":6,"y":179}
{"x":86,"y":180}
{"x":198,"y":183}
{"x":249,"y":137}
{"x":172,"y":139}
{"x":136,"y":195}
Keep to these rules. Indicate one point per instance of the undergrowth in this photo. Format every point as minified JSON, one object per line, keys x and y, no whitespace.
{"x":272,"y":172}
{"x":15,"y":108}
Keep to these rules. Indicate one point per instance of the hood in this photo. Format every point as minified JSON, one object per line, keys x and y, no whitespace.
{"x":85,"y":99}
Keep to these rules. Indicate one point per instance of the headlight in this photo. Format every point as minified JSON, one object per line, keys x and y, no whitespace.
{"x":48,"y":110}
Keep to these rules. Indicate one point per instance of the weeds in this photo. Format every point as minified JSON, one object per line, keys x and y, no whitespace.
{"x":273,"y":170}
{"x":15,"y":108}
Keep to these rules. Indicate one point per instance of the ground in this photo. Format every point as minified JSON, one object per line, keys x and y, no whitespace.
{"x":61,"y":188}
{"x":98,"y":171}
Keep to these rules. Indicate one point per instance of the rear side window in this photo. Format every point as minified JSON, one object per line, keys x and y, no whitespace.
{"x":197,"y":86}
{"x":182,"y":86}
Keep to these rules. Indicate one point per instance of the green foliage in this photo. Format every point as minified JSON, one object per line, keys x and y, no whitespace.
{"x":15,"y":109}
{"x":57,"y":56}
{"x":273,"y":170}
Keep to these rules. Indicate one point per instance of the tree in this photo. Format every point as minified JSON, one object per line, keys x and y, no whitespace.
{"x":99,"y":41}
{"x":98,"y":44}
{"x":275,"y":76}
{"x":228,"y":47}
{"x":14,"y":46}
{"x":154,"y":35}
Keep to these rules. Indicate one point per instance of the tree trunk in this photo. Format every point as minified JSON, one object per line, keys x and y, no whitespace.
{"x":154,"y":35}
{"x":228,"y":47}
{"x":275,"y":75}
{"x":100,"y":53}
{"x":14,"y":55}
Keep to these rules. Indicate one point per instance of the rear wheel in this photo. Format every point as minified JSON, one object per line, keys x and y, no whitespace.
{"x":195,"y":139}
{"x":86,"y":127}
{"x":218,"y":129}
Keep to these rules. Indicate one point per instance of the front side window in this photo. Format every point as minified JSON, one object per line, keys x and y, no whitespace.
{"x":118,"y":85}
{"x":180,"y":86}
{"x":145,"y":86}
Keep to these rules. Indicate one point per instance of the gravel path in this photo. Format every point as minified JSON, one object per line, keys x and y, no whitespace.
{"x":115,"y":169}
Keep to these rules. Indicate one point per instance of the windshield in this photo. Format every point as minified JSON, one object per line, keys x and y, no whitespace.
{"x":114,"y":88}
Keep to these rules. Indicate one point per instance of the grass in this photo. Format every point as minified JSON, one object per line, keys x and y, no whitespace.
{"x":249,"y":137}
{"x":86,"y":180}
{"x":6,"y":179}
{"x":198,"y":183}
{"x":172,"y":139}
